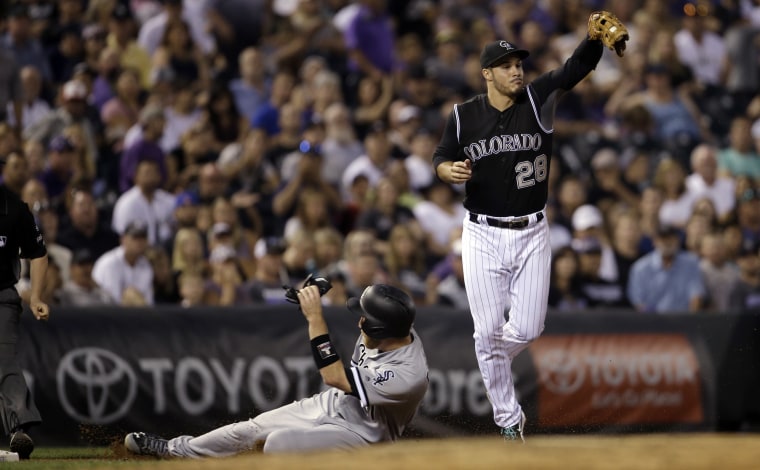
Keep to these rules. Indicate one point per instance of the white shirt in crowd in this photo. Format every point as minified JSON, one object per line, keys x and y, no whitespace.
{"x":157,"y":214}
{"x":361,"y":166}
{"x":721,"y":193}
{"x":113,"y":274}
{"x":704,"y":58}
{"x":31,"y":114}
{"x":193,"y":12}
{"x":436,"y":222}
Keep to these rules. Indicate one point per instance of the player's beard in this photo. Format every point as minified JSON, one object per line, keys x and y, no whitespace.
{"x":507,"y":89}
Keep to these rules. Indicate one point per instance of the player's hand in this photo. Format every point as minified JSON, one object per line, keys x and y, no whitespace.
{"x":461,"y":172}
{"x":40,"y":309}
{"x":310,"y":301}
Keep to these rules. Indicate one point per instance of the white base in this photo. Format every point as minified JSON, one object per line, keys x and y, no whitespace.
{"x":6,"y":456}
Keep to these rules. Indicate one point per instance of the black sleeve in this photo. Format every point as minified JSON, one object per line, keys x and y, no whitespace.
{"x":448,"y":147}
{"x":350,"y":377}
{"x":31,"y":241}
{"x":576,"y":67}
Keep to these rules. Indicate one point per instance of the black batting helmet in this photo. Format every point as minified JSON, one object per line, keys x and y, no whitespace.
{"x":389,"y":312}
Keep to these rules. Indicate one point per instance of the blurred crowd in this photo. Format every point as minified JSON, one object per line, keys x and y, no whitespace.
{"x":208,"y":152}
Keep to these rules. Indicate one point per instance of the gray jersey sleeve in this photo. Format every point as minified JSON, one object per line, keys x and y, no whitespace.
{"x":394,"y":377}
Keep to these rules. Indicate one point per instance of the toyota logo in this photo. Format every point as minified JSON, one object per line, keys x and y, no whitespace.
{"x":95,"y":386}
{"x":560,"y":372}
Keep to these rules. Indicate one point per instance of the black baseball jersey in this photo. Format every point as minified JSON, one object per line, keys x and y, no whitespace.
{"x":18,"y":231}
{"x":511,"y":150}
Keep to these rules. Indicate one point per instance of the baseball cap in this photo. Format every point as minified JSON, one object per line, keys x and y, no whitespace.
{"x":495,"y":52}
{"x":604,"y":158}
{"x":121,"y":12}
{"x":82,"y":256}
{"x":586,"y":217}
{"x":136,"y":228}
{"x":74,"y":90}
{"x":222,"y":253}
{"x":666,"y":230}
{"x":92,"y":31}
{"x":408,"y":113}
{"x":186,"y":198}
{"x":61,"y":143}
{"x":221,"y":229}
{"x":269,"y":246}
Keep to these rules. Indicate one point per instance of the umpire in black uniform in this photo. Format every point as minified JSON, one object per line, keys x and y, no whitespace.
{"x":19,"y":237}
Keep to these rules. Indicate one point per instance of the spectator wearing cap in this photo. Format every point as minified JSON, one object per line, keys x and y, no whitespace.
{"x":227,"y":229}
{"x":740,"y":157}
{"x":745,"y":293}
{"x":719,"y":274}
{"x":67,"y":53}
{"x":72,"y":110}
{"x":84,"y":230}
{"x":704,"y":181}
{"x":667,"y":280}
{"x":608,"y":186}
{"x":145,"y":147}
{"x":588,"y":222}
{"x":22,"y":43}
{"x":125,"y":272}
{"x":132,"y":54}
{"x":148,"y":203}
{"x":265,"y":287}
{"x":186,"y":210}
{"x":81,"y":290}
{"x":33,"y":107}
{"x":597,"y":292}
{"x":60,"y":167}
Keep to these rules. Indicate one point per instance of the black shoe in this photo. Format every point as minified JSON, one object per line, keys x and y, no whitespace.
{"x":22,"y":444}
{"x":146,"y":444}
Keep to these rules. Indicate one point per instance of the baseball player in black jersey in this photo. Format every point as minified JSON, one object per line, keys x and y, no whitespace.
{"x":500,"y":144}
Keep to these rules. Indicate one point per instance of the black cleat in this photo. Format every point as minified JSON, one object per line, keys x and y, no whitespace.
{"x":146,"y":444}
{"x":22,"y":444}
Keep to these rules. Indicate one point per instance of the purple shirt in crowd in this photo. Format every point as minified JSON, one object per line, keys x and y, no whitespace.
{"x":373,"y":36}
{"x":134,"y":154}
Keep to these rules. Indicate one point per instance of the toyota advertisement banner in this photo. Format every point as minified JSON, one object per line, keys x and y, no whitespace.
{"x":96,"y":375}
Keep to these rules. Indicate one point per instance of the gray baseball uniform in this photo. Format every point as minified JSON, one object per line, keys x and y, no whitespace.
{"x":389,"y":388}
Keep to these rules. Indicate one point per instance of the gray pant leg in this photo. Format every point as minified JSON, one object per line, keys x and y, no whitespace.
{"x":17,"y":407}
{"x":243,"y":436}
{"x":324,"y":436}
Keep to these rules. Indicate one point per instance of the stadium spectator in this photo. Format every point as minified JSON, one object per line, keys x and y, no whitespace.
{"x":608,"y":185}
{"x":94,"y":36}
{"x":227,"y":124}
{"x":84,"y":230}
{"x":11,"y":90}
{"x":180,"y":54}
{"x":252,"y":86}
{"x":340,"y":146}
{"x":81,"y":290}
{"x":589,"y":222}
{"x":748,"y":215}
{"x":267,"y":115}
{"x":405,"y":263}
{"x":373,"y":98}
{"x":597,"y":291}
{"x":311,"y":213}
{"x":704,"y":181}
{"x":418,"y":162}
{"x":740,"y":157}
{"x":165,"y":286}
{"x":125,"y":272}
{"x":227,"y":229}
{"x":59,"y":170}
{"x":21,"y":42}
{"x":122,"y":111}
{"x":667,"y":280}
{"x":677,"y":204}
{"x":438,"y":215}
{"x":565,"y":288}
{"x":384,"y":213}
{"x":745,"y":294}
{"x":15,"y":172}
{"x":33,"y":106}
{"x":69,"y":52}
{"x":373,"y":163}
{"x":173,"y":11}
{"x":719,"y":274}
{"x":146,"y":147}
{"x":120,"y":38}
{"x":328,"y":249}
{"x":147,"y":203}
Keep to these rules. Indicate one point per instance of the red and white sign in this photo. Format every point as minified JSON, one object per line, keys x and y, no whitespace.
{"x":617,"y":379}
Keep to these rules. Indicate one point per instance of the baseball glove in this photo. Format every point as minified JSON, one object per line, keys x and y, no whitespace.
{"x":606,"y":27}
{"x":324,"y":285}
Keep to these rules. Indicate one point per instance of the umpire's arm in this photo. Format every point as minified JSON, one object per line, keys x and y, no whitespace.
{"x":329,"y":364}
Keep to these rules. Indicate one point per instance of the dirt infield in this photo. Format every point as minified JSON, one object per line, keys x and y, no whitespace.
{"x":659,"y":451}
